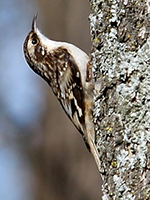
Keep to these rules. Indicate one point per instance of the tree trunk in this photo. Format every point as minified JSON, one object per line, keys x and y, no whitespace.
{"x":121,"y":63}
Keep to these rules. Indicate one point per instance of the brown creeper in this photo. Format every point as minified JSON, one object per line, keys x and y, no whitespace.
{"x":64,"y":68}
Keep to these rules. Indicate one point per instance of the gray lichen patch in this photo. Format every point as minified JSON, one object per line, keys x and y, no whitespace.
{"x":121,"y":64}
{"x":131,"y":19}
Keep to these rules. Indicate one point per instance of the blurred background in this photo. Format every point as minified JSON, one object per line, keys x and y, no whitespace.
{"x":42,"y":156}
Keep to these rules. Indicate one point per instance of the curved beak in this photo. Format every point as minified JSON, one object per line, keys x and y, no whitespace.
{"x":34,"y":23}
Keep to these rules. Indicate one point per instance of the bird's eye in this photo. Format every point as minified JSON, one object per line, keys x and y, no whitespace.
{"x":34,"y":41}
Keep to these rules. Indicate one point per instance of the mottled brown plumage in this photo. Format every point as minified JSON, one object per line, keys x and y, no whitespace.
{"x":64,"y":67}
{"x":59,"y":69}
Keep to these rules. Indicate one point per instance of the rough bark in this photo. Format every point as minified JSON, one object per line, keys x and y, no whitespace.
{"x":120,"y":32}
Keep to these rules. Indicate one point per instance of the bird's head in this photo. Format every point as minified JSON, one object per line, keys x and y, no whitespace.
{"x":34,"y":48}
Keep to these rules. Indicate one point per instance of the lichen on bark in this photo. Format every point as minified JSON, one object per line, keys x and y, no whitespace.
{"x":120,"y":31}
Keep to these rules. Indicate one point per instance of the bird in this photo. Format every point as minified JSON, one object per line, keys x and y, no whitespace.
{"x":65,"y":68}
